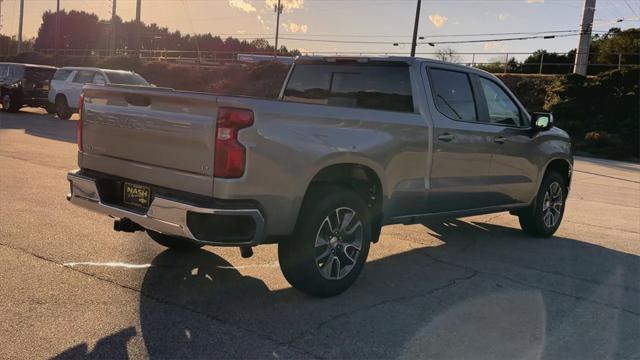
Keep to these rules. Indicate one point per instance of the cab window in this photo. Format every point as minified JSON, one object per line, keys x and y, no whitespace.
{"x":453,"y":95}
{"x":367,"y":86}
{"x":62,"y":74}
{"x":502,"y":110}
{"x":84,"y":77}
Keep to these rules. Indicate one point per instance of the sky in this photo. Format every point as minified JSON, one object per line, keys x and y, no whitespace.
{"x":308,"y":24}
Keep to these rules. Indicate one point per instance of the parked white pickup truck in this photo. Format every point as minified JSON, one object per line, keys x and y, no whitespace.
{"x":352,"y":144}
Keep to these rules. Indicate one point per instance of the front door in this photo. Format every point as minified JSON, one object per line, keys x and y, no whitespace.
{"x":461,"y":149}
{"x":513,"y":172}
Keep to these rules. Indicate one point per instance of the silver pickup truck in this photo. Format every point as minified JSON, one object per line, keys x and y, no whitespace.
{"x":352,"y":144}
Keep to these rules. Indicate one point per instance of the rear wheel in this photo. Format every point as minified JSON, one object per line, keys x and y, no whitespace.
{"x":50,"y":108}
{"x":174,"y":242}
{"x":329,"y":248}
{"x":62,"y":108}
{"x":10,"y":103}
{"x":544,"y":216}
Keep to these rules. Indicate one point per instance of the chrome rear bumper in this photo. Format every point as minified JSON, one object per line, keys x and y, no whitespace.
{"x":164,"y":215}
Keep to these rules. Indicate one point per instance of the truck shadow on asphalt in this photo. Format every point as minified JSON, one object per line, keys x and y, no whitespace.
{"x":41,"y":125}
{"x":486,"y":291}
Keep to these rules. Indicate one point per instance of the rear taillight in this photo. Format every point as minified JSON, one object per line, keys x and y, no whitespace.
{"x":230,"y":154}
{"x":79,"y":123}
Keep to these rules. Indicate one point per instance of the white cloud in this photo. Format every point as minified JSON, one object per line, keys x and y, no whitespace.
{"x":242,"y":5}
{"x":535,"y":1}
{"x":263,"y":23}
{"x":503,"y":16}
{"x":438,"y":20}
{"x":294,"y":28}
{"x":289,"y":5}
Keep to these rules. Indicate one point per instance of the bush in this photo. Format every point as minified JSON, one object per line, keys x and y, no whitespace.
{"x":601,"y":113}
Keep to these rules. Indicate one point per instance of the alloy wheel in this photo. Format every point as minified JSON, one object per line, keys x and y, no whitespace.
{"x":338,"y":243}
{"x":552,"y":205}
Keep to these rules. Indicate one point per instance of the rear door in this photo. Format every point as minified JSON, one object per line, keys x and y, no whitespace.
{"x":461,"y":156}
{"x":37,"y":81}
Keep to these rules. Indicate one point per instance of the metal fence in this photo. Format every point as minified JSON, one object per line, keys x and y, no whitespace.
{"x":492,"y":61}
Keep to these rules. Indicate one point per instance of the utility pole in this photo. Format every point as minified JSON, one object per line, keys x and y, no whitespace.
{"x":138,"y":27}
{"x":113,"y":28}
{"x":582,"y":54}
{"x":278,"y":9}
{"x":414,"y":43}
{"x":20,"y":26}
{"x":56,"y":33}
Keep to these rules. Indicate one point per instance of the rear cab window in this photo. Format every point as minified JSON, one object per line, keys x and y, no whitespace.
{"x":383,"y":86}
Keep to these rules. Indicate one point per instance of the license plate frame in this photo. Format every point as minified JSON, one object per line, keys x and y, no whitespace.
{"x":136,"y":195}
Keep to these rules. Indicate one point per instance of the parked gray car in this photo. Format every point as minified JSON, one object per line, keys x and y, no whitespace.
{"x":352,"y":144}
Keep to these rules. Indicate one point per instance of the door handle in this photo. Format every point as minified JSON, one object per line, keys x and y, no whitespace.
{"x":499,"y":139}
{"x":446,"y":137}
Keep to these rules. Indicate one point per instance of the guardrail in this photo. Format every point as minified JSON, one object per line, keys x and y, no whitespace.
{"x":492,"y":61}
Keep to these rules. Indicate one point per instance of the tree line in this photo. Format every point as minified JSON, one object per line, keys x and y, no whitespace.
{"x":85,"y":31}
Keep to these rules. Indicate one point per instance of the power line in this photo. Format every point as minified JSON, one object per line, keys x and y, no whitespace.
{"x":550,"y":36}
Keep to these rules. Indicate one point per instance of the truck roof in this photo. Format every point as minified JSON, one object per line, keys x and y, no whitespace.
{"x":365,"y":59}
{"x":29,"y":65}
{"x":94,"y":69}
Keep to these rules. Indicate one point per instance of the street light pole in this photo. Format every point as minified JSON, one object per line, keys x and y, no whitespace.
{"x":56,"y":33}
{"x":20,"y":26}
{"x":414,"y":43}
{"x":278,"y":9}
{"x":138,"y":27}
{"x":113,"y":28}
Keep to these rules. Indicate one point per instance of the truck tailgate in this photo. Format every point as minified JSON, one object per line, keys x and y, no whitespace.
{"x":154,"y":127}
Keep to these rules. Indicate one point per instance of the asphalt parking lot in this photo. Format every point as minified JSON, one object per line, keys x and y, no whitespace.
{"x":476,"y":288}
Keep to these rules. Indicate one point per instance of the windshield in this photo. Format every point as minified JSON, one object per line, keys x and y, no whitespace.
{"x":125,"y":78}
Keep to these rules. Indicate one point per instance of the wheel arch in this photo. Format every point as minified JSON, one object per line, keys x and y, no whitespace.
{"x":361,"y":179}
{"x":563,"y":166}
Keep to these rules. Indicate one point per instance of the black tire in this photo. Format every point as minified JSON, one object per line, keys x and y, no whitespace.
{"x":50,"y":108}
{"x":62,"y":108}
{"x":174,"y":242}
{"x":10,"y":103}
{"x":535,"y":220}
{"x":299,"y":256}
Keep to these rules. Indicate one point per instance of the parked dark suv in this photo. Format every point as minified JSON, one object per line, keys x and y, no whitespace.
{"x":25,"y":85}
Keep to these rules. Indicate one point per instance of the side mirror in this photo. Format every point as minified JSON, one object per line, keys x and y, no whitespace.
{"x":542,"y":121}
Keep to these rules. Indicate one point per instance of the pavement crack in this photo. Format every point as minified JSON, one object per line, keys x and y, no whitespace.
{"x":160,"y":300}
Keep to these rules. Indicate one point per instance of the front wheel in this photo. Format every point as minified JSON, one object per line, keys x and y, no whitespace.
{"x":330,"y":245}
{"x":174,"y":242}
{"x":544,"y":216}
{"x":62,"y":108}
